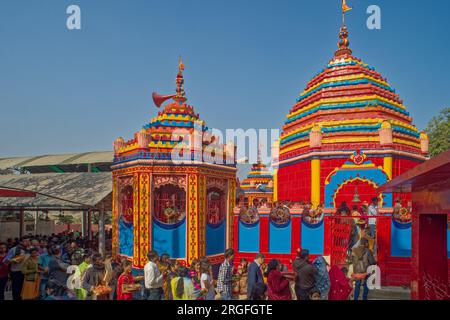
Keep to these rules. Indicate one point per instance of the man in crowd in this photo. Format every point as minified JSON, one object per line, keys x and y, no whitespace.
{"x":57,"y":269}
{"x":94,"y":276}
{"x":153,"y":278}
{"x":16,"y":256}
{"x":44,"y":260}
{"x":225,"y":278}
{"x":362,"y":258}
{"x":373,"y":211}
{"x":306,"y":273}
{"x":255,"y":275}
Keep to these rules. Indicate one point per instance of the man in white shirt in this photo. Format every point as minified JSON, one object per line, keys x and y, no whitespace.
{"x":153,"y":278}
{"x":373,"y":211}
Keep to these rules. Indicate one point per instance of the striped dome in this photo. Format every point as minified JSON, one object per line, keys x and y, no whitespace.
{"x":349,"y":101}
{"x":259,"y":179}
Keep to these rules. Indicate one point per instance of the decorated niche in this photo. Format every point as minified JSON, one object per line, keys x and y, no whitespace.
{"x":312,"y":216}
{"x":125,"y":209}
{"x":249,"y":215}
{"x":280,"y":215}
{"x":402,"y":214}
{"x":126,"y":201}
{"x":169,"y":199}
{"x":216,"y":200}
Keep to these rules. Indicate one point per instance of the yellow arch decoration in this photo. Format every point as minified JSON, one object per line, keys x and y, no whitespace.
{"x":355,"y":179}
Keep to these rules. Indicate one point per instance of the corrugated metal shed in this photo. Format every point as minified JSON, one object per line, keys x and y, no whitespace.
{"x":72,"y":162}
{"x":59,"y":190}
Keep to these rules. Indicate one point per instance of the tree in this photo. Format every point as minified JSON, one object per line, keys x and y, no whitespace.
{"x":65,"y":219}
{"x":438,"y":131}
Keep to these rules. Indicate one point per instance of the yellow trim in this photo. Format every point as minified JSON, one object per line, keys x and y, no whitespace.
{"x":192,"y":228}
{"x":350,"y":122}
{"x":275,"y":185}
{"x":136,"y":230}
{"x":315,"y":182}
{"x":387,"y":166}
{"x":344,"y":140}
{"x":344,"y":100}
{"x":345,"y":78}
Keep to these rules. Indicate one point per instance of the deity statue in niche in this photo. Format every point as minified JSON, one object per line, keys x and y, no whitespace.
{"x":169,"y":204}
{"x":126,"y":204}
{"x":216,"y":206}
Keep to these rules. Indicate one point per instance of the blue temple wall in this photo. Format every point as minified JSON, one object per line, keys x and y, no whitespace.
{"x":215,"y":238}
{"x":125,"y":238}
{"x":280,"y":237}
{"x":312,"y":237}
{"x":169,"y":239}
{"x":248,"y":237}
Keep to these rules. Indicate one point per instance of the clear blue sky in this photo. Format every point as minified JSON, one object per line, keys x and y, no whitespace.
{"x":246,"y":61}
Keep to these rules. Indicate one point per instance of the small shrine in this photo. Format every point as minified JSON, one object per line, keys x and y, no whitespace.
{"x":174,"y":186}
{"x":257,"y":188}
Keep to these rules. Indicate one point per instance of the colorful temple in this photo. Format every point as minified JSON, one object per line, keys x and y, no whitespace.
{"x":167,"y":196}
{"x":258,"y":186}
{"x":347,"y":134}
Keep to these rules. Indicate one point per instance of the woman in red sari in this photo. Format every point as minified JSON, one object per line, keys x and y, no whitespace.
{"x":126,"y":282}
{"x":340,"y":285}
{"x":278,"y":285}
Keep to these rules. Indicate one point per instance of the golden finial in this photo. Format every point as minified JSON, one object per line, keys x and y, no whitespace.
{"x":343,"y":43}
{"x":180,"y":96}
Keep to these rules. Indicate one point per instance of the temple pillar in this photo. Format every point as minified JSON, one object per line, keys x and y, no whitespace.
{"x":202,"y":215}
{"x":136,"y":229}
{"x":230,"y":215}
{"x":192,"y":240}
{"x":315,"y":182}
{"x":143,"y":227}
{"x":387,"y":166}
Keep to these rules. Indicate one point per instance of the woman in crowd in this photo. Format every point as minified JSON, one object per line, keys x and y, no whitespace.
{"x":182,"y":286}
{"x":242,"y":274}
{"x":30,"y":270}
{"x":340,"y":288}
{"x":278,"y":285}
{"x":126,"y":285}
{"x":194,"y":274}
{"x":208,"y":291}
{"x":322,"y":277}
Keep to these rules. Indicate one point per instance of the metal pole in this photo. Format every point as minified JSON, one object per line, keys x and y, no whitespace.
{"x":35,"y":222}
{"x":101,"y":231}
{"x":21,"y":218}
{"x":83,"y":223}
{"x":89,"y":225}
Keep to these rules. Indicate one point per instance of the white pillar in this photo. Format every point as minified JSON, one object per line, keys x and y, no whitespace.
{"x":101,"y":232}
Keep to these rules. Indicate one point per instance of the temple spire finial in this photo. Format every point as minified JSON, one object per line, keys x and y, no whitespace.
{"x":180,"y":95}
{"x":343,"y":43}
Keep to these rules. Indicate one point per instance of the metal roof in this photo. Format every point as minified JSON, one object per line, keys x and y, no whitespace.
{"x":59,"y":190}
{"x":72,"y":162}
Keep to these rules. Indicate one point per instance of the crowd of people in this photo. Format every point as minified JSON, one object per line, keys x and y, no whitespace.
{"x":67,"y":266}
{"x":66,"y":271}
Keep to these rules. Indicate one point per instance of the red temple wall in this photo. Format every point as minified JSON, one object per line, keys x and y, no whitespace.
{"x":294,"y":182}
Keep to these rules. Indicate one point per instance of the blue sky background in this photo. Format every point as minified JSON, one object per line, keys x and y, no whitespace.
{"x":246,"y":62}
